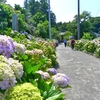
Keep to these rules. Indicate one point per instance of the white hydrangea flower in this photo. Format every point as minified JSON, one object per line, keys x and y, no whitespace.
{"x":19,"y":47}
{"x":3,"y":59}
{"x":16,"y":67}
{"x":7,"y":77}
{"x":29,"y":52}
{"x":44,"y":75}
{"x":10,"y":69}
{"x":37,"y":52}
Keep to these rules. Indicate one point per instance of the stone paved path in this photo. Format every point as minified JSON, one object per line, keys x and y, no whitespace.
{"x":83,"y":71}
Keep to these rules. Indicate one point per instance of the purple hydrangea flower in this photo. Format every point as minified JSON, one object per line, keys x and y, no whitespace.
{"x":4,"y":84}
{"x":7,"y":47}
{"x":52,"y":71}
{"x":60,"y":80}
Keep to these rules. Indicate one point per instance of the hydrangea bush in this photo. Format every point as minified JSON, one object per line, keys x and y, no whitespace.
{"x":16,"y":67}
{"x":35,"y":56}
{"x":7,"y":77}
{"x":10,"y":71}
{"x":25,"y":91}
{"x":59,"y":79}
{"x":19,"y":48}
{"x":35,"y":53}
{"x":89,"y":47}
{"x":97,"y":52}
{"x":7,"y":47}
{"x":79,"y":44}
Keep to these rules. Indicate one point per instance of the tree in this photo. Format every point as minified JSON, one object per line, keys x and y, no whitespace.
{"x":33,"y":6}
{"x":53,"y":19}
{"x":85,"y":25}
{"x":38,"y":18}
{"x":54,"y":33}
{"x":42,"y":30}
{"x":5,"y":15}
{"x":42,"y":7}
{"x":85,"y":15}
{"x":3,"y":1}
{"x":95,"y":21}
{"x":67,"y":35}
{"x":25,"y":3}
{"x":72,"y":27}
{"x":61,"y":26}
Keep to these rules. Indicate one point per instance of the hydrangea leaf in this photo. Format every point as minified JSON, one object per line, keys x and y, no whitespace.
{"x":55,"y":97}
{"x":42,"y":85}
{"x":31,"y":68}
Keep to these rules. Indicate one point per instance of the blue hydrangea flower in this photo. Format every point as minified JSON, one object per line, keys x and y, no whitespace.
{"x":7,"y":47}
{"x":52,"y":71}
{"x":60,"y":80}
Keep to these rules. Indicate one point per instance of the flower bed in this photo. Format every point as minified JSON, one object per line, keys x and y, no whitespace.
{"x":27,"y":69}
{"x":91,"y":47}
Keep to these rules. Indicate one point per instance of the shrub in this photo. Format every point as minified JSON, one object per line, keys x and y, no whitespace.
{"x":25,"y":91}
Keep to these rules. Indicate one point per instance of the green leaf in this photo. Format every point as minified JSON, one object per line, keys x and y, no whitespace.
{"x":52,"y":85}
{"x":31,"y":68}
{"x":24,"y":57}
{"x":53,"y":93}
{"x":36,"y":75}
{"x":55,"y":97}
{"x":42,"y":85}
{"x":33,"y":82}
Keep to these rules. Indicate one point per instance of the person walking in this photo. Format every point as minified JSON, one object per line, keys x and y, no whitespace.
{"x":65,"y":43}
{"x":72,"y":43}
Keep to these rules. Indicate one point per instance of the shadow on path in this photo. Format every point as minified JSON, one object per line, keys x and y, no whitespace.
{"x":56,"y":66}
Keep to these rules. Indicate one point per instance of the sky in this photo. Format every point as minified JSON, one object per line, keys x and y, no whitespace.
{"x":65,"y":10}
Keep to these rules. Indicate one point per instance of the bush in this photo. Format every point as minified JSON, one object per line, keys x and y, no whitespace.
{"x":25,"y":91}
{"x":87,"y":36}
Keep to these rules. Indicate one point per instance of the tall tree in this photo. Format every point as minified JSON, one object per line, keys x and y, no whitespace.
{"x":3,"y":1}
{"x":5,"y":15}
{"x":53,"y":19}
{"x":38,"y":18}
{"x":25,"y":3}
{"x":33,"y":6}
{"x":95,"y":21}
{"x":85,"y":25}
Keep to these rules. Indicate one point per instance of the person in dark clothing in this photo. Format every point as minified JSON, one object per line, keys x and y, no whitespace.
{"x":72,"y":43}
{"x":65,"y":43}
